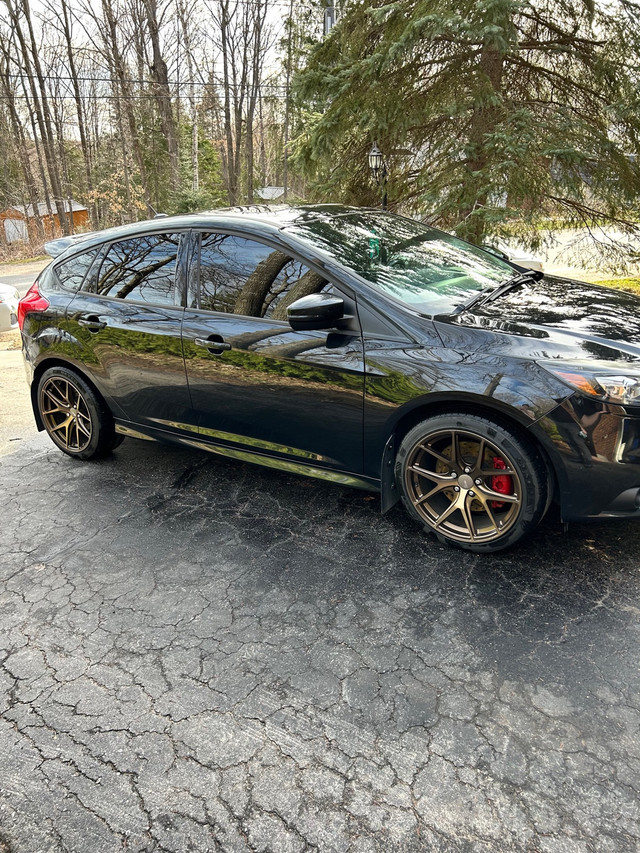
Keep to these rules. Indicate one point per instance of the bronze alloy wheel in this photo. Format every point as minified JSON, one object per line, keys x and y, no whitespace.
{"x":463,"y":486}
{"x":66,"y":414}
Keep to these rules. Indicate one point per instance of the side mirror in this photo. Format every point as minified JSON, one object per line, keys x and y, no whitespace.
{"x":317,"y":311}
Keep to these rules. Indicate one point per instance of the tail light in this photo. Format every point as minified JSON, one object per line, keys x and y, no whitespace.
{"x":30,"y":302}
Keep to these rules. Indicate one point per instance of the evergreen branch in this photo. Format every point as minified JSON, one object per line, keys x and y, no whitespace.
{"x":539,"y":21}
{"x":589,"y":213}
{"x":555,"y":75}
{"x":569,"y":41}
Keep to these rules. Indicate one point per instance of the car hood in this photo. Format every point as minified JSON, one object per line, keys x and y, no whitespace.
{"x":557,"y":317}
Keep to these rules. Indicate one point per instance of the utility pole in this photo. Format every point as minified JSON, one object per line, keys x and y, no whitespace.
{"x":329,"y":17}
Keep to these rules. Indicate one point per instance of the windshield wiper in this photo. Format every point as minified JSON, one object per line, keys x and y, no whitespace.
{"x":495,"y":293}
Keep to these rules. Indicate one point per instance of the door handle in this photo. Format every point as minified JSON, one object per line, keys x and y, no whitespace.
{"x":92,"y":322}
{"x":214,"y":343}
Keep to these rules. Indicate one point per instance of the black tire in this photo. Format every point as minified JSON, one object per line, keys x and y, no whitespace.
{"x":473,"y":482}
{"x":75,"y":417}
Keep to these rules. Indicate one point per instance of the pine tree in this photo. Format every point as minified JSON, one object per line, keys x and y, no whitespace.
{"x":494,"y":114}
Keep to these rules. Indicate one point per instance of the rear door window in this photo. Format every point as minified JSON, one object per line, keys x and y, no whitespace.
{"x":142,"y":269}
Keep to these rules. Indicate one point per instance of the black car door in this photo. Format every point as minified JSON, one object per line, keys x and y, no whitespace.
{"x":255,"y":382}
{"x":128,"y":318}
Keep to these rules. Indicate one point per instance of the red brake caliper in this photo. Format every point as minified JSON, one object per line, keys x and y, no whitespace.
{"x":501,"y":482}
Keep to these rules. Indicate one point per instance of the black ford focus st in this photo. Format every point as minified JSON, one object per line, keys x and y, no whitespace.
{"x":350,"y":345}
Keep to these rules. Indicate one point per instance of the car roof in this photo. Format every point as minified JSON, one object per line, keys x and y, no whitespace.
{"x":280,"y":214}
{"x":273,"y":217}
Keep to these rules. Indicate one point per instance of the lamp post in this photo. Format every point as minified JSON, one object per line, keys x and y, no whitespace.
{"x":378,"y":169}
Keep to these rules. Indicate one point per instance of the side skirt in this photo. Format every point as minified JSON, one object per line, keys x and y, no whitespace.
{"x":341,"y":478}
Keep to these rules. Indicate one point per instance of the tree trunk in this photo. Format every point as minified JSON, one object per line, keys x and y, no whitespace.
{"x":250,"y":300}
{"x":195,"y":176}
{"x":484,"y":119}
{"x":62,"y":157}
{"x":256,"y":71}
{"x":23,"y":151}
{"x":125,"y":155}
{"x":162,"y":92}
{"x":119,"y":71}
{"x":41,"y":165}
{"x":228,"y":129}
{"x":65,"y":20}
{"x":239,"y":93}
{"x":30,"y":58}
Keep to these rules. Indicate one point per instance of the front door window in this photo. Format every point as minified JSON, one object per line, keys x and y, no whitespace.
{"x":242,"y":276}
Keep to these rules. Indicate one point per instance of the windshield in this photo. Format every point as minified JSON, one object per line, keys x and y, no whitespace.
{"x":426,"y":269}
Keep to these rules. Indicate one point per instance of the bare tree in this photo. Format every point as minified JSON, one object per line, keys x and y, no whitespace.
{"x":184,"y":16}
{"x":62,"y":19}
{"x":9,"y":95}
{"x":161,"y":90}
{"x":30,"y":58}
{"x":94,"y":93}
{"x":259,"y":44}
{"x":120,"y":77}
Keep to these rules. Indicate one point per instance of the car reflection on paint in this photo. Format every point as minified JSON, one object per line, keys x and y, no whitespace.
{"x":350,"y":345}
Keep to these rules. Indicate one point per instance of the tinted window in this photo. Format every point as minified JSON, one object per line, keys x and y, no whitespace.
{"x":143,"y":268}
{"x":71,"y":273}
{"x":240,"y":276}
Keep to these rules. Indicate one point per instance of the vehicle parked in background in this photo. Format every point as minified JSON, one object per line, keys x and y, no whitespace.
{"x":8,"y":307}
{"x":520,"y":257}
{"x":351,"y":345}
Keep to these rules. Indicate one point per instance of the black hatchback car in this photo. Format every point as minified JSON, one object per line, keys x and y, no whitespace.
{"x":350,"y":345}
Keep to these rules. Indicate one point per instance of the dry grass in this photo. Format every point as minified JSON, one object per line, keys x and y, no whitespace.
{"x":631,"y":284}
{"x":21,"y":253}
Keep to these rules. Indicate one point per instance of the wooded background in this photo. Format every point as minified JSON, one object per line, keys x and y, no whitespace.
{"x":495,"y":116}
{"x":133,"y":107}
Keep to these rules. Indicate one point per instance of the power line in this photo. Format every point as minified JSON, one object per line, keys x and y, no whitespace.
{"x":129,"y":80}
{"x":108,"y":97}
{"x":268,"y":90}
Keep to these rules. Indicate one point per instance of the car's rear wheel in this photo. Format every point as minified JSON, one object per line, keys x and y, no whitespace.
{"x":74,"y":416}
{"x":473,"y":482}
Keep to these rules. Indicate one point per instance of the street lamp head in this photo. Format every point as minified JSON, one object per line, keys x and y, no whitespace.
{"x":375,"y":160}
{"x":378,"y":169}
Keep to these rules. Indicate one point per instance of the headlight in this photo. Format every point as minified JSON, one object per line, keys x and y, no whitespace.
{"x":621,"y":389}
{"x":613,"y":387}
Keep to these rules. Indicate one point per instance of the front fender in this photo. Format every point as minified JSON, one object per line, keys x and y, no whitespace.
{"x":403,"y":386}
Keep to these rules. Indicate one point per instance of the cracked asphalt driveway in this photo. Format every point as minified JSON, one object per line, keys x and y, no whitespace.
{"x":202,"y":655}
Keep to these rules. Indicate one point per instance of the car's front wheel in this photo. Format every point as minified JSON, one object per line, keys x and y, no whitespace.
{"x":473,"y":482}
{"x":75,"y":417}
